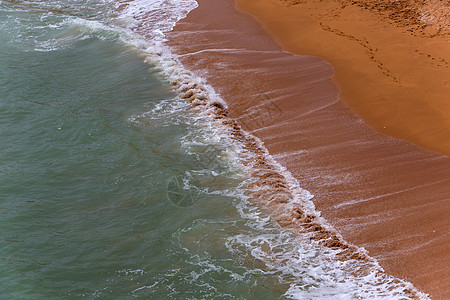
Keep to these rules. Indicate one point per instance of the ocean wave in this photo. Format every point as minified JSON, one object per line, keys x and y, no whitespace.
{"x":311,"y":257}
{"x":304,"y":252}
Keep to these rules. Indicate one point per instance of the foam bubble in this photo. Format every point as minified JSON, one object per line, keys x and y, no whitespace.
{"x":310,"y":256}
{"x":155,"y":16}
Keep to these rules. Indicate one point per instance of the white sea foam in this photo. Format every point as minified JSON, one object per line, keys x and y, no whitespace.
{"x":157,"y":16}
{"x":309,"y":269}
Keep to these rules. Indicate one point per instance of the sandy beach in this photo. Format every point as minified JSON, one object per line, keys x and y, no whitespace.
{"x":391,"y":58}
{"x":380,"y":192}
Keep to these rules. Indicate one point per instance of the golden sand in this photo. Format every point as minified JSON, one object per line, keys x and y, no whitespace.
{"x":380,"y":193}
{"x":391,"y":58}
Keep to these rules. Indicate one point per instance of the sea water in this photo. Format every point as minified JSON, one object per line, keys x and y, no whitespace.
{"x":112,"y":188}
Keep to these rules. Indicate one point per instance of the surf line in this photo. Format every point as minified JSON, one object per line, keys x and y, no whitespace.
{"x":271,"y":186}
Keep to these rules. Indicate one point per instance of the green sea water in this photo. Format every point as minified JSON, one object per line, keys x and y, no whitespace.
{"x":91,"y":139}
{"x":111,"y":188}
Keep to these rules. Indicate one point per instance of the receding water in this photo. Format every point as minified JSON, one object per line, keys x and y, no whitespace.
{"x":91,"y":139}
{"x":110,"y":188}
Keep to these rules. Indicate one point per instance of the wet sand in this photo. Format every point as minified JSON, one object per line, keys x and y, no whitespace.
{"x":392,"y":58}
{"x":381,"y":193}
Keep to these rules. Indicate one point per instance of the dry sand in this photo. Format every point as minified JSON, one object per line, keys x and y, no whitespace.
{"x":381,"y":193}
{"x":391,"y":57}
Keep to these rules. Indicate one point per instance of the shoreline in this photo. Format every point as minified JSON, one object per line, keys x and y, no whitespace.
{"x":370,"y":187}
{"x":271,"y":99}
{"x":391,"y":59}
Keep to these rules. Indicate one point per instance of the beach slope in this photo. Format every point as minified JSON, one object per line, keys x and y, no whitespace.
{"x":381,"y":193}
